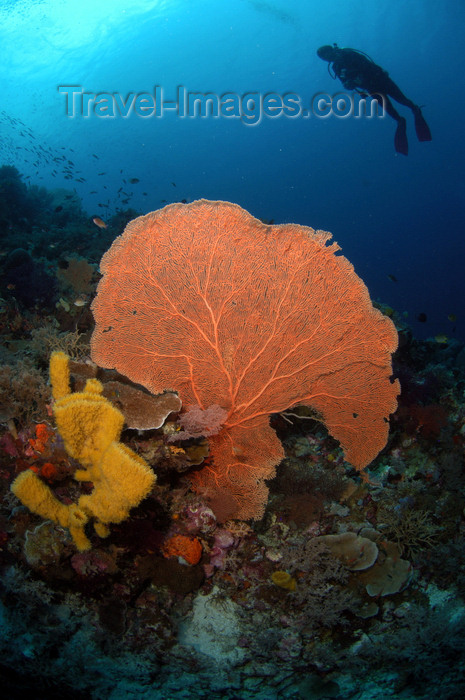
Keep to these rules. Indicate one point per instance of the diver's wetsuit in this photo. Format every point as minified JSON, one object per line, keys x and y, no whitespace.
{"x":358,"y":72}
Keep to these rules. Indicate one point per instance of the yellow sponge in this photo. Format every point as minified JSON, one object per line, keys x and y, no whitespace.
{"x":36,"y":495}
{"x":86,"y":420}
{"x":90,"y":427}
{"x":59,"y":375}
{"x":121,"y":480}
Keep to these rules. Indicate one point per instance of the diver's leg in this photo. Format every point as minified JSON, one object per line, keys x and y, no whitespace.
{"x":391,"y":89}
{"x":400,"y":138}
{"x":421,"y":127}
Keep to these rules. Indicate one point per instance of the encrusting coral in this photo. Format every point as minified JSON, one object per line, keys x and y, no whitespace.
{"x":141,"y":410}
{"x":205,"y":299}
{"x":90,"y":427}
{"x":188,"y":548}
{"x":284,"y":580}
{"x":355,"y":552}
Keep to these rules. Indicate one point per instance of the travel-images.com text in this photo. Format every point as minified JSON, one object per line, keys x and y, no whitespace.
{"x":250,"y":108}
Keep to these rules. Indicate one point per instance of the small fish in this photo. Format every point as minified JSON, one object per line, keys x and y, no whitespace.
{"x":452,"y":317}
{"x":95,"y":156}
{"x":81,"y":300}
{"x":99,"y":222}
{"x":134,"y":180}
{"x":93,"y":191}
{"x":392,"y":278}
{"x":58,"y":208}
{"x":101,"y":174}
{"x":441,"y":338}
{"x":174,"y":184}
{"x":145,"y":194}
{"x":422,"y":317}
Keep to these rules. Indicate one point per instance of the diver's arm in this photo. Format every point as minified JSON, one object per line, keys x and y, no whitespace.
{"x":350,"y":79}
{"x":349,"y":76}
{"x":352,"y":69}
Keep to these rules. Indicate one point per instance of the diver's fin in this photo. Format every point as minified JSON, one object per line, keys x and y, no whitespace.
{"x":421,"y":127}
{"x":400,"y":139}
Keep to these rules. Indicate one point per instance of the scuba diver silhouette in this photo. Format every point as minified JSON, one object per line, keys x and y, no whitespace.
{"x":359,"y":72}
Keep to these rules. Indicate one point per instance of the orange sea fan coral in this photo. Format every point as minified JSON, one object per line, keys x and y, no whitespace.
{"x":205,"y":299}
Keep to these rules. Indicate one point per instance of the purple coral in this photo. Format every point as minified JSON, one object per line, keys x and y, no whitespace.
{"x":199,"y":518}
{"x":198,"y":422}
{"x":223,"y":541}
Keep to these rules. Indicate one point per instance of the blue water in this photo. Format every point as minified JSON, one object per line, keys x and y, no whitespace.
{"x":392,"y":215}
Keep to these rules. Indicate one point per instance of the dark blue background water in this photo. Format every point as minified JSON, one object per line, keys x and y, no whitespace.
{"x":392,"y":215}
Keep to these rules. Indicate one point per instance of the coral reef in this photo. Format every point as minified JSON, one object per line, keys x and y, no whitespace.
{"x":346,"y":587}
